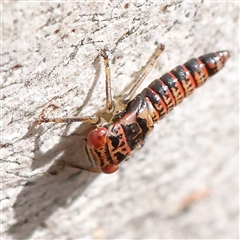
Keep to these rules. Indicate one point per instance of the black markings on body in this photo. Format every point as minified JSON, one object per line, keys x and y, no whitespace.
{"x":120,"y":157}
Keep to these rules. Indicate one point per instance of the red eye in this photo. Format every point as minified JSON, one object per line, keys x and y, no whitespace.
{"x":97,"y":137}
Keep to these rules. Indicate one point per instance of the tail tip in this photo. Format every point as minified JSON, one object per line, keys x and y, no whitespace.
{"x":225,"y":54}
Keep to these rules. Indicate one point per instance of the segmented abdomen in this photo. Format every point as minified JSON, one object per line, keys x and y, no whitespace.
{"x":155,"y":101}
{"x":170,"y":89}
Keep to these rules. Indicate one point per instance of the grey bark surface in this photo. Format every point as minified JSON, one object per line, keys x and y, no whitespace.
{"x":182,"y":184}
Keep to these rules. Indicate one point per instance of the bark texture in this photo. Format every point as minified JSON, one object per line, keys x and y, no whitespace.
{"x":182,"y":184}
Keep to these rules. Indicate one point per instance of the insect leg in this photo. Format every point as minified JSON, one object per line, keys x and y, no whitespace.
{"x":143,"y":73}
{"x":94,"y":120}
{"x":90,"y":169}
{"x":61,"y":164}
{"x":110,"y":105}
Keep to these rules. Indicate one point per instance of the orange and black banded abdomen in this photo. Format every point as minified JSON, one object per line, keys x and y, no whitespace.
{"x":170,"y":89}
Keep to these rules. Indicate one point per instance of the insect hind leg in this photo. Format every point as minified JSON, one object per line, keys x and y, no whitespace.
{"x":142,"y":75}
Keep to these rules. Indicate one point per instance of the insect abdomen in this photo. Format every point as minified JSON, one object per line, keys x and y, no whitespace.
{"x":170,"y":89}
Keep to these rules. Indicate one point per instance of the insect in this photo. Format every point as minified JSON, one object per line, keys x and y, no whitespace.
{"x":133,"y":118}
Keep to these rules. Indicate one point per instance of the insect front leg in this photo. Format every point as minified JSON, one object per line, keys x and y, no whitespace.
{"x":94,"y":120}
{"x":110,"y":104}
{"x":89,"y":169}
{"x":142,"y":75}
{"x":61,"y":164}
